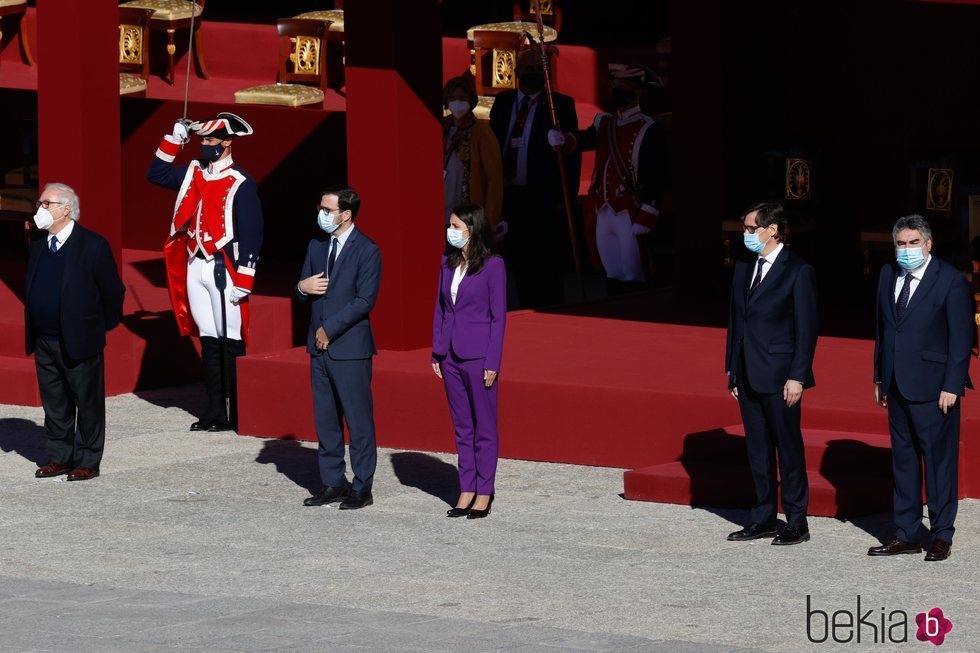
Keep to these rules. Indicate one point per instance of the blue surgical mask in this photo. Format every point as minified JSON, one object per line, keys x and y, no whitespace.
{"x":326,"y":222}
{"x":455,"y":238}
{"x":909,"y":258}
{"x":752,"y":243}
{"x":212,"y":152}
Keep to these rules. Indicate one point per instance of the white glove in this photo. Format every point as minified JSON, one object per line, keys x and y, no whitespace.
{"x":555,"y":138}
{"x":640,"y":230}
{"x":180,"y":132}
{"x":237,"y":294}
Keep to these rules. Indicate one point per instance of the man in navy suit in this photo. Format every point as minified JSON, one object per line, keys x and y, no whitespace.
{"x":921,"y":369}
{"x":772,"y":335}
{"x":521,"y":121}
{"x":340,"y":280}
{"x":74,"y":295}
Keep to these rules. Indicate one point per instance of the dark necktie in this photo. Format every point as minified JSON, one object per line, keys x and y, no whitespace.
{"x":510,"y":152}
{"x":53,"y":245}
{"x":903,"y":297}
{"x":758,"y":275}
{"x":332,"y":258}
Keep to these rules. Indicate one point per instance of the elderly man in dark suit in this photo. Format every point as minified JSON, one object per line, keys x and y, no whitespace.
{"x":921,"y":369}
{"x":772,"y":336}
{"x":536,"y":229}
{"x":74,"y":295}
{"x":340,"y":279}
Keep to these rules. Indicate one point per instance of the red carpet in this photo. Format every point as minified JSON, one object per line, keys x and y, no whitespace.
{"x":601,"y":391}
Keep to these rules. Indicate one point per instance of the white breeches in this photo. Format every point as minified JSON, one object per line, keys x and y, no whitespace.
{"x":205,"y":301}
{"x":619,"y":249}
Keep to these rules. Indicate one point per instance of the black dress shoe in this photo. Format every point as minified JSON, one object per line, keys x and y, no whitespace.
{"x":461,"y":512}
{"x":894,"y":547}
{"x":753,"y":532}
{"x":792,"y":535}
{"x":201,"y":425}
{"x":327,"y":495}
{"x":220,"y":426}
{"x":938,"y":550}
{"x":480,"y":514}
{"x":357,"y":500}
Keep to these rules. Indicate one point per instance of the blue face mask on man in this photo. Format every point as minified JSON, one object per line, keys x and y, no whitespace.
{"x":910,"y":258}
{"x":752,"y":242}
{"x":212,"y":153}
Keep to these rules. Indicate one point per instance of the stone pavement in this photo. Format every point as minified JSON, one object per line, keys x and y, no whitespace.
{"x":201,"y":542}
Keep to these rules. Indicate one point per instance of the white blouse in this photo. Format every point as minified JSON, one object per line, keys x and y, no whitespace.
{"x":457,"y":279}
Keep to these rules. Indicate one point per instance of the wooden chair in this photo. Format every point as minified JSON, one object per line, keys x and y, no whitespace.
{"x":134,"y":39}
{"x":336,"y":40}
{"x":496,"y":55}
{"x":302,"y":66}
{"x":169,"y":16}
{"x":550,"y":13}
{"x":516,"y":28}
{"x":17,"y":9}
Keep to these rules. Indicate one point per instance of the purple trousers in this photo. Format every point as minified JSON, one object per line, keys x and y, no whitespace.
{"x":473,"y":407}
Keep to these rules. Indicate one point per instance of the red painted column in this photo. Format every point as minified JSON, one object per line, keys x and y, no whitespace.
{"x":394,"y":153}
{"x":77,"y":54}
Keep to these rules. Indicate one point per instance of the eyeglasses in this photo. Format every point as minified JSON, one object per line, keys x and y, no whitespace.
{"x":752,"y":228}
{"x":46,"y":204}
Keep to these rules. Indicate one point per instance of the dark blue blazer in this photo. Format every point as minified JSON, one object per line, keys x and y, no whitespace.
{"x":91,"y":293}
{"x":343,"y":311}
{"x":775,"y":326}
{"x":928,"y":350}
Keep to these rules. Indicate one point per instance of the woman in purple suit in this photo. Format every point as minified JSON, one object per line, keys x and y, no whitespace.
{"x":467,"y":344}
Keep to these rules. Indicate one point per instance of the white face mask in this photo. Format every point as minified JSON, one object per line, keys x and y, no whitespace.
{"x":455,"y":238}
{"x":458,"y":108}
{"x":43,"y":218}
{"x":326,"y":223}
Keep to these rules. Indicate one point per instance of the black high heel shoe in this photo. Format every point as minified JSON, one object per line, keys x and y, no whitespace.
{"x":480,"y":514}
{"x":461,"y":512}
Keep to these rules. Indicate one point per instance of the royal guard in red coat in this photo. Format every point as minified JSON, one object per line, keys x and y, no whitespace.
{"x":215,"y":238}
{"x":631,"y":170}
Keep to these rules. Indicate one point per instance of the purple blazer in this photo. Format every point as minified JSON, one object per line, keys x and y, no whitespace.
{"x":474,"y":326}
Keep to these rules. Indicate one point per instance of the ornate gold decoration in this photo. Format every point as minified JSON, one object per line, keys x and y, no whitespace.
{"x":131,"y":84}
{"x":550,"y":35}
{"x":939,"y":190}
{"x":130,"y":44}
{"x":284,"y":95}
{"x":504,"y":62}
{"x":305,"y":55}
{"x":799,"y":179}
{"x":335,"y":16}
{"x":473,"y":62}
{"x":171,"y":47}
{"x":167,"y":9}
{"x":547,"y":7}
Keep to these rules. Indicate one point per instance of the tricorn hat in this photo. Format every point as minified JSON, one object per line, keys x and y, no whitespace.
{"x":224,"y":125}
{"x":635,"y":72}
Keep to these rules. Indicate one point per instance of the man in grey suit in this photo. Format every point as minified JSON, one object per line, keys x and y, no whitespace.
{"x":340,"y":279}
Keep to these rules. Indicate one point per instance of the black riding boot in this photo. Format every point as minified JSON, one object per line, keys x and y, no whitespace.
{"x":211,"y":361}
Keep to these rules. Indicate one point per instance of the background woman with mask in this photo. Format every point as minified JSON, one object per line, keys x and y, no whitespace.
{"x":472,"y":170}
{"x":467,"y":345}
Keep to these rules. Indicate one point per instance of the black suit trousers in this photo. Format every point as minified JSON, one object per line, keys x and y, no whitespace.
{"x":770,"y":427}
{"x":535,"y":244}
{"x":342,"y":392}
{"x":73,"y":397}
{"x":923,"y":438}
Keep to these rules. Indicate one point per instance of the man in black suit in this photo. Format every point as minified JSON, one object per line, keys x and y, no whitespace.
{"x":921,"y":369}
{"x":340,"y":279}
{"x":772,"y":335}
{"x":532,"y":209}
{"x":74,"y":295}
